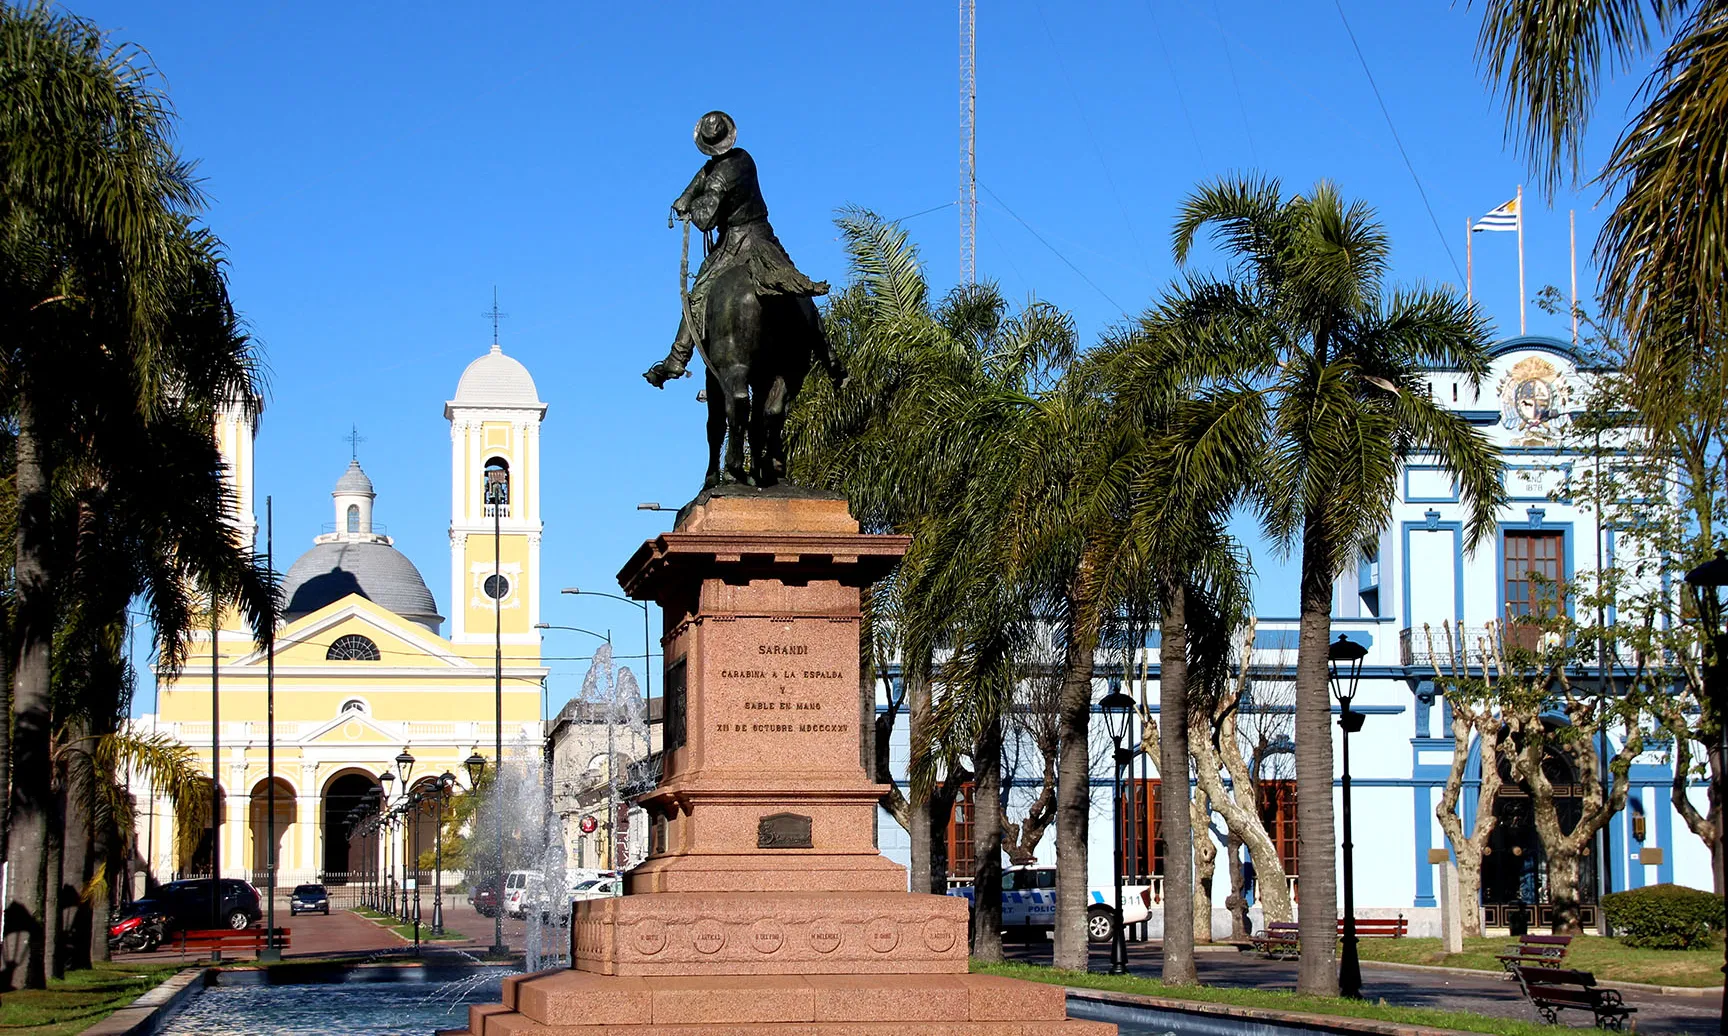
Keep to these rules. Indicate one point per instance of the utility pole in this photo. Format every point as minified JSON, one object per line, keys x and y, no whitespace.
{"x":968,"y":142}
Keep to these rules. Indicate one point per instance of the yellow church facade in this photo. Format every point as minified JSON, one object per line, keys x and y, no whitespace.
{"x":363,"y":670}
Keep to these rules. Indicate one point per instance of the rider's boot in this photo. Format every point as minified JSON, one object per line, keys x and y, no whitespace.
{"x":673,"y":366}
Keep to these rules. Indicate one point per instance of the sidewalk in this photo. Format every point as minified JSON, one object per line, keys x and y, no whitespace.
{"x":344,"y":932}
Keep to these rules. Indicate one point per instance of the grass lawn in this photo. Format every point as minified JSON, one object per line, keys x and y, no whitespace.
{"x":1609,"y":959}
{"x":406,"y":931}
{"x":81,"y":1000}
{"x":1269,"y":1000}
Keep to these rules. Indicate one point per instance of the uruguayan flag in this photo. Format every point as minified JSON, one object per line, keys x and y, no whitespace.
{"x":1503,"y":218}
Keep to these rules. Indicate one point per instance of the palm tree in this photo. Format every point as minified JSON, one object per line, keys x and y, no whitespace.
{"x":1313,"y":379}
{"x":1661,"y":246}
{"x":112,"y":307}
{"x":924,"y":439}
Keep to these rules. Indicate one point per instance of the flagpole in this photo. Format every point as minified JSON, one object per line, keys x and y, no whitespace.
{"x":1521,"y":325}
{"x":1572,"y":221}
{"x":1469,"y":262}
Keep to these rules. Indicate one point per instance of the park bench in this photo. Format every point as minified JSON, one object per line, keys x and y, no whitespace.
{"x":228,"y":939}
{"x":1278,"y":941}
{"x":1543,"y":951}
{"x":1552,"y":990}
{"x":1379,"y":927}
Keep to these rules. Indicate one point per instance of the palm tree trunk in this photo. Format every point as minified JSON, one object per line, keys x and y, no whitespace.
{"x":103,"y":845}
{"x":923,"y":830}
{"x":79,"y":864}
{"x":32,"y":786}
{"x":1074,"y":787}
{"x":1317,"y":843}
{"x":1173,"y":799}
{"x":53,"y":907}
{"x":987,"y":843}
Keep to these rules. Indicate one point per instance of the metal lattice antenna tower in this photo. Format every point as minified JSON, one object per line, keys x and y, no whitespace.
{"x":968,"y":141}
{"x":494,"y":314}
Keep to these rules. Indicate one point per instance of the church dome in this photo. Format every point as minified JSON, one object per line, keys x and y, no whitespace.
{"x":353,"y":482}
{"x":497,"y":380}
{"x":375,"y":570}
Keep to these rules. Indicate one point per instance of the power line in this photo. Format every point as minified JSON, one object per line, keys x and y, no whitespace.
{"x":1176,"y":82}
{"x":997,"y":198}
{"x":1395,"y":139}
{"x":1241,"y":105}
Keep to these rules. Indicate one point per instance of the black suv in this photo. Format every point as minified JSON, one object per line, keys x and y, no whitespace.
{"x":187,"y":904}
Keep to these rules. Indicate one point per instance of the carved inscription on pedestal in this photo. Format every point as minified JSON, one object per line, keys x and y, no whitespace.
{"x":783,"y":690}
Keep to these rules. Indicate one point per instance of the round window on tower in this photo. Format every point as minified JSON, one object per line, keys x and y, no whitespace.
{"x":497,"y":587}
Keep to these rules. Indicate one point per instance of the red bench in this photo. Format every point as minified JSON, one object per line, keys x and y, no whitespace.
{"x":1281,"y":942}
{"x":1542,"y":951}
{"x":226,"y":939}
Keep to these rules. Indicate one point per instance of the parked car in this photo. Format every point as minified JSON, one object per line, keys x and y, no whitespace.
{"x":140,"y":927}
{"x":187,"y":904}
{"x":306,"y":899}
{"x":1029,"y":904}
{"x":521,"y":888}
{"x":483,"y":897}
{"x":607,"y":885}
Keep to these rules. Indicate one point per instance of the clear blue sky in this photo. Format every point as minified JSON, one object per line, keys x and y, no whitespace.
{"x":375,"y":169}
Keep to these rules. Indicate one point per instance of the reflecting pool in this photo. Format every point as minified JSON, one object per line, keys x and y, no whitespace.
{"x":361,"y":1004}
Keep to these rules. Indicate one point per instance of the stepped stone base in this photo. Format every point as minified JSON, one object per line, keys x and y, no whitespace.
{"x":576,"y":1003}
{"x":771,"y":933}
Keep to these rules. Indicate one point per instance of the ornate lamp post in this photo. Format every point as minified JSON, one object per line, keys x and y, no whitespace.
{"x":1344,"y":658}
{"x":386,"y":782}
{"x":497,"y":499}
{"x":1707,"y":581}
{"x":446,"y":781}
{"x":1118,"y":710}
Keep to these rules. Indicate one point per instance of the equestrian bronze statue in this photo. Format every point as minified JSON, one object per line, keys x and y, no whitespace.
{"x":749,"y":314}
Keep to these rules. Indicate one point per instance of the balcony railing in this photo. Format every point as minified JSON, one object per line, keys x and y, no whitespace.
{"x":1414,"y":645}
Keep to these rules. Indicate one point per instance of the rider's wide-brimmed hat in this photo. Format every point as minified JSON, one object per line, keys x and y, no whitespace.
{"x":715,"y":133}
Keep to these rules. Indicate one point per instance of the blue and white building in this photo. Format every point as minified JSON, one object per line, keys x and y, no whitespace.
{"x":1422,"y":574}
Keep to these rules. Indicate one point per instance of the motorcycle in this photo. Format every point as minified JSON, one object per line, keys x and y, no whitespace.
{"x":138,"y":934}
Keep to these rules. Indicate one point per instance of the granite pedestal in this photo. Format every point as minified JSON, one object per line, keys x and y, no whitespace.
{"x":764,"y":906}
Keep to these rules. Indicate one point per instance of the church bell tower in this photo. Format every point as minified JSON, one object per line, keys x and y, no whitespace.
{"x":495,"y":503}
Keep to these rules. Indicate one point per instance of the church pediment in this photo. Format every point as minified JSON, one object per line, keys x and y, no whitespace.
{"x":349,"y":728}
{"x":312,"y":640}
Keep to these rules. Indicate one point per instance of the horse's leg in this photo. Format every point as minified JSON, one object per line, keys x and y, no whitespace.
{"x":716,"y":430}
{"x":771,"y":458}
{"x":735,"y":398}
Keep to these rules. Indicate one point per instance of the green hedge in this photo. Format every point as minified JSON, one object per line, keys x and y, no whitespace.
{"x":1664,"y":917}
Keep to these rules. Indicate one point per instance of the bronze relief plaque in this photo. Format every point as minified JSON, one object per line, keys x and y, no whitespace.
{"x":783,"y":831}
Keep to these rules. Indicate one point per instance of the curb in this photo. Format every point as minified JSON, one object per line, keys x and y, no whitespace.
{"x":146,"y":1015}
{"x":1640,"y":987}
{"x":1287,"y":1019}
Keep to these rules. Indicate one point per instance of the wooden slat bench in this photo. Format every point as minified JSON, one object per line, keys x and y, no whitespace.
{"x":1552,"y":990}
{"x":1542,"y":951}
{"x":1278,"y":941}
{"x":1379,"y":927}
{"x":228,"y":939}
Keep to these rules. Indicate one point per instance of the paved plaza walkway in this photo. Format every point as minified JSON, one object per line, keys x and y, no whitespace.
{"x":1446,"y":989}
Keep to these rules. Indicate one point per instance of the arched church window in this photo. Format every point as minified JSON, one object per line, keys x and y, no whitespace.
{"x":496,"y":488}
{"x":353,"y":705}
{"x":353,"y":517}
{"x":352,"y":647}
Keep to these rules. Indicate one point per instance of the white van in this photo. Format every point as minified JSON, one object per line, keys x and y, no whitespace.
{"x":520,"y":888}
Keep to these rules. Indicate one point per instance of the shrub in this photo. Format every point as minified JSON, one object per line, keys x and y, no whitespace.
{"x":1664,"y":917}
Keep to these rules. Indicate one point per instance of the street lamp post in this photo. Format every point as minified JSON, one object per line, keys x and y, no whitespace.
{"x":497,"y":498}
{"x":446,"y":781}
{"x":1712,"y":576}
{"x":411,"y":829}
{"x":1118,"y":710}
{"x":1344,"y":658}
{"x":386,"y":781}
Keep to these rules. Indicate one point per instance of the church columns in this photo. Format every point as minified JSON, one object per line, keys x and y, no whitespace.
{"x":306,"y":826}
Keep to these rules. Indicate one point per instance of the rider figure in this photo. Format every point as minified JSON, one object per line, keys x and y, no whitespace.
{"x":724,"y":197}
